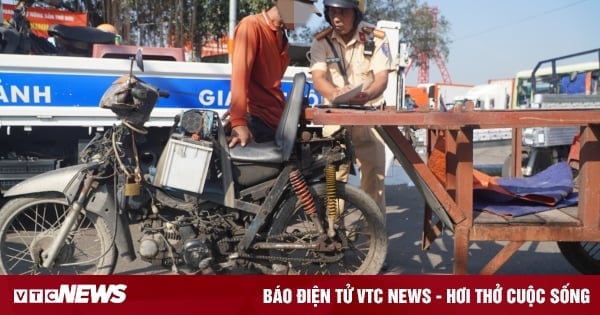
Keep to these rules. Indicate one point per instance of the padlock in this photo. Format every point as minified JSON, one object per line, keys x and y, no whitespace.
{"x":132,"y":186}
{"x":132,"y":189}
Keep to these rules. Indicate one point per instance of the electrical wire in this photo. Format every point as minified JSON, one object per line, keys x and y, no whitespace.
{"x":519,"y":21}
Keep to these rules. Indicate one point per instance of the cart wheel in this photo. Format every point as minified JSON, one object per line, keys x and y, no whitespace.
{"x":584,"y":256}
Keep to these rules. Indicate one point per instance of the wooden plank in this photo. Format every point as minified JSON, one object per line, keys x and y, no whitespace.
{"x":570,"y":211}
{"x":461,"y":249}
{"x":526,"y":219}
{"x":455,"y":120}
{"x":557,"y":217}
{"x":501,"y":257}
{"x":554,"y":232}
{"x":484,"y":217}
{"x":433,"y":191}
{"x":589,"y":188}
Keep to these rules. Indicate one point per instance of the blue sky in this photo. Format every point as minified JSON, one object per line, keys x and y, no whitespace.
{"x":495,"y":39}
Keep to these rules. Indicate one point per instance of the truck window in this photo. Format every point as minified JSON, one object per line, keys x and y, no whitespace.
{"x":576,"y":78}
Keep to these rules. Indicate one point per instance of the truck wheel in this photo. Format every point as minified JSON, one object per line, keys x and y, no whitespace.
{"x":584,"y":256}
{"x":507,"y":167}
{"x":359,"y":245}
{"x":27,"y":228}
{"x":575,"y":173}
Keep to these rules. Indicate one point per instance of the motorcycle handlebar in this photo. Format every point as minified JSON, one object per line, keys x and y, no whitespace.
{"x":164,"y":94}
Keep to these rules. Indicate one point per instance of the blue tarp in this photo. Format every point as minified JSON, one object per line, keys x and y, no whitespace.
{"x":549,"y":189}
{"x":575,"y":86}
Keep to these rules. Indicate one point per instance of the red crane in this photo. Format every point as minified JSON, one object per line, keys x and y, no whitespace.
{"x":423,"y":76}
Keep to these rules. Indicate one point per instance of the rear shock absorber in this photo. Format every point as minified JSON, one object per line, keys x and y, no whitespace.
{"x":332,"y":209}
{"x":306,"y":199}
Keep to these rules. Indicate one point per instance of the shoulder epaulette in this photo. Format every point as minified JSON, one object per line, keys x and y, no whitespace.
{"x":320,"y":35}
{"x":376,"y":32}
{"x":379,"y":33}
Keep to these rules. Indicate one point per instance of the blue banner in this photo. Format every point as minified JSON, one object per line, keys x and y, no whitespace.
{"x":79,"y":90}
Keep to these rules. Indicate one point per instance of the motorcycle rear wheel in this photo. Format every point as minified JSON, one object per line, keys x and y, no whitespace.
{"x":27,"y":227}
{"x":360,"y":228}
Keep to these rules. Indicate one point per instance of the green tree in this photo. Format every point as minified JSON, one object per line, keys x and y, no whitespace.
{"x":162,"y":23}
{"x":172,"y":22}
{"x":417,"y":29}
{"x":417,"y":25}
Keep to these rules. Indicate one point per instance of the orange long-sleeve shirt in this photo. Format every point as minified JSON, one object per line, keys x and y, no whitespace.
{"x":259,"y":61}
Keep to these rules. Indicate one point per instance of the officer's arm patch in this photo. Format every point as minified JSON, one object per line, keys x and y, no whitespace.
{"x":322,"y":34}
{"x":385,"y":48}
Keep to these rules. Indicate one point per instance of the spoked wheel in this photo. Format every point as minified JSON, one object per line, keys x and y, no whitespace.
{"x":584,"y":256}
{"x":358,"y":247}
{"x":28,"y":227}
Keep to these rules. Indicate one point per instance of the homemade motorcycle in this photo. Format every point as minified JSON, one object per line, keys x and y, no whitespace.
{"x":202,"y":207}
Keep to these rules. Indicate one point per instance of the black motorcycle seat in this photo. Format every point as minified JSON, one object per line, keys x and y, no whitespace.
{"x":279,"y":150}
{"x":81,"y":33}
{"x":263,"y":152}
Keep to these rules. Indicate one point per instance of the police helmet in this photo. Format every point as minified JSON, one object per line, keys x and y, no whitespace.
{"x":358,"y":6}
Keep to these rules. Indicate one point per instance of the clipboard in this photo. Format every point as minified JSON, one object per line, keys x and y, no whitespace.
{"x":346,"y":97}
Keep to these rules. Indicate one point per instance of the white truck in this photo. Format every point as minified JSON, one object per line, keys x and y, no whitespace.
{"x":490,"y":96}
{"x":494,"y":95}
{"x":49,"y":104}
{"x":565,"y":82}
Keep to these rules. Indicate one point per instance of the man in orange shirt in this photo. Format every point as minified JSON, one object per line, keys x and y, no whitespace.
{"x":259,"y":61}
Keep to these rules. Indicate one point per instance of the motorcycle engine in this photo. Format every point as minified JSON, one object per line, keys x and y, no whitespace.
{"x":196,"y":244}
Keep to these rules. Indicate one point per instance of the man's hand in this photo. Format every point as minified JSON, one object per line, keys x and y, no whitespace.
{"x":226,"y":115}
{"x":361,"y":99}
{"x":340,"y":91}
{"x":226,"y":122}
{"x":241,"y":135}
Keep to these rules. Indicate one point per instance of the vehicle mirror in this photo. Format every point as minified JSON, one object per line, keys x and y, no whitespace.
{"x":139,"y":59}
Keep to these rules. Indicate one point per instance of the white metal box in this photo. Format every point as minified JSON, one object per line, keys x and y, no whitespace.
{"x":184,"y":165}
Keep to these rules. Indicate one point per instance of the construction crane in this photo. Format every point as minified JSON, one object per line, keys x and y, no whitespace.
{"x":423,"y":58}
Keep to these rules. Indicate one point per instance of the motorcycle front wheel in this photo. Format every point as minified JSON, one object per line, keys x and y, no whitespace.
{"x":28,"y":226}
{"x":358,"y":247}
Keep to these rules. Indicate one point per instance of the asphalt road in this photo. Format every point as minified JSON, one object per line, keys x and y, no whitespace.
{"x":405,"y":216}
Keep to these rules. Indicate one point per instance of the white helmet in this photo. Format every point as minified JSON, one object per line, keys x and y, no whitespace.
{"x":359,"y":7}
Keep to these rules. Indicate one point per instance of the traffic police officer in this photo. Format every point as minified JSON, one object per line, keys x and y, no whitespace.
{"x":348,"y":53}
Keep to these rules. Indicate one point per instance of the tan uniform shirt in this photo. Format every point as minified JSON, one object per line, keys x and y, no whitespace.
{"x":360,"y":68}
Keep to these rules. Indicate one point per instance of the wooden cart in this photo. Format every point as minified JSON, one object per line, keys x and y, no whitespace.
{"x":452,"y":202}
